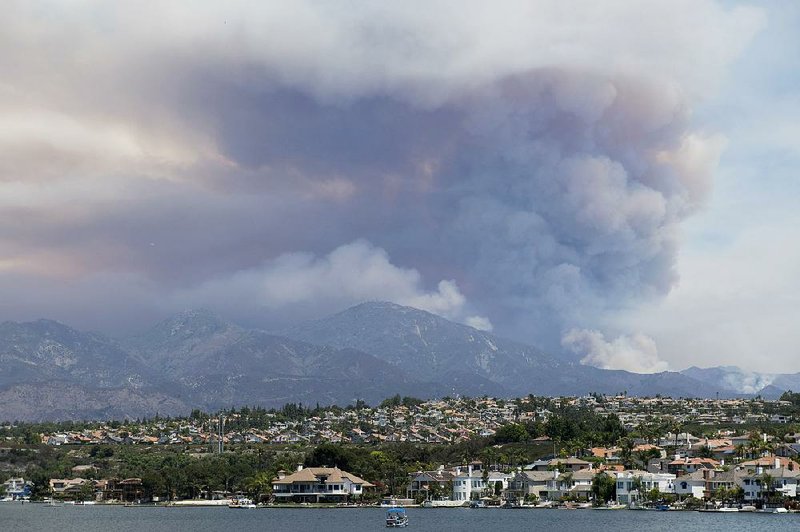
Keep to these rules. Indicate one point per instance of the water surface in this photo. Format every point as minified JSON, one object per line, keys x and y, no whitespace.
{"x":14,"y":516}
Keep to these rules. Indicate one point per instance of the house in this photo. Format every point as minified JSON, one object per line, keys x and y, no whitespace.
{"x":606,"y":453}
{"x":576,"y":484}
{"x":690,"y":465}
{"x":424,"y":482}
{"x":61,"y":486}
{"x":628,"y":483}
{"x":562,"y":464}
{"x":318,"y":484}
{"x":469,"y":484}
{"x":782,"y":478}
{"x":17,"y":488}
{"x":703,"y":483}
{"x":527,"y":484}
{"x":788,"y":450}
{"x":771,"y":461}
{"x":131,"y":489}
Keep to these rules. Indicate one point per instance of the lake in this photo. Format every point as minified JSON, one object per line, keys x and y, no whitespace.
{"x":15,"y":516}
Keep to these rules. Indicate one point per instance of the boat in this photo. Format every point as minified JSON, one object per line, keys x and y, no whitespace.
{"x":392,"y":502}
{"x":396,"y":518}
{"x":778,"y":510}
{"x":443,"y":503}
{"x":611,"y":506}
{"x":241,"y":503}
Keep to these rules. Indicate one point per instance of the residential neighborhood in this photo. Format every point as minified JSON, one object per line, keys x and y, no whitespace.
{"x":530,"y":451}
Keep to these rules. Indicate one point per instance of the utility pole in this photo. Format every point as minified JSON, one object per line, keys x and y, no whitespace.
{"x":221,"y":428}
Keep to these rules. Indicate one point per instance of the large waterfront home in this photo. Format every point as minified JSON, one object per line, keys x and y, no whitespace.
{"x":16,"y":488}
{"x":427,"y":483}
{"x":318,"y":484}
{"x":759,"y":481}
{"x":530,"y":484}
{"x":634,"y":485}
{"x":470,"y":484}
{"x":704,"y":483}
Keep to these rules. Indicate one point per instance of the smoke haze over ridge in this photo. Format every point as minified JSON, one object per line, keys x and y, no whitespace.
{"x":522,"y":166}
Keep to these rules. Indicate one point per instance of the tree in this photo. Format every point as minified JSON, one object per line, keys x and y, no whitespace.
{"x":604,"y":488}
{"x":636,"y":485}
{"x":86,"y":492}
{"x":626,"y":451}
{"x":41,"y":485}
{"x":705,"y":452}
{"x":767,"y":485}
{"x":511,"y":433}
{"x":259,"y":485}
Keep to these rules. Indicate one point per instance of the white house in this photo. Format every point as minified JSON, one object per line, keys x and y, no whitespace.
{"x":318,"y":484}
{"x":628,"y":492}
{"x":17,"y":488}
{"x":783,"y":480}
{"x":577,"y":484}
{"x":469,"y":484}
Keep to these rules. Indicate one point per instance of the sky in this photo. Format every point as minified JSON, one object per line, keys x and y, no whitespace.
{"x":611,"y":181}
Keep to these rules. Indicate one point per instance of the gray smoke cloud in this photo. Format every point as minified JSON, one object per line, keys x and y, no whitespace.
{"x":522,"y":165}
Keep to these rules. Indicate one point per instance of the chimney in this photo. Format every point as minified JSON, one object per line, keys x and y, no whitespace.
{"x":469,"y":471}
{"x":777,"y":463}
{"x":281,"y":474}
{"x":299,"y":467}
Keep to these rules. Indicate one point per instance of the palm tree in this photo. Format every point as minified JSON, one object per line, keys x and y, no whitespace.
{"x":767,"y":485}
{"x":636,"y":485}
{"x":259,"y":485}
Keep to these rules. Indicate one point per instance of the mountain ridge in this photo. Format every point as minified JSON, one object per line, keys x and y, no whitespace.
{"x":371,"y":351}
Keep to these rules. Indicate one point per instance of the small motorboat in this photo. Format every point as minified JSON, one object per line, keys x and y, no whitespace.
{"x":396,"y":518}
{"x":241,"y":503}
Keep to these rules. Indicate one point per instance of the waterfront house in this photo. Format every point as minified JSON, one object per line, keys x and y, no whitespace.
{"x":759,"y":481}
{"x":576,"y":485}
{"x":318,"y":484}
{"x":628,"y":489}
{"x":17,"y":488}
{"x":469,"y":483}
{"x":423,"y":483}
{"x":530,"y":484}
{"x":704,"y":483}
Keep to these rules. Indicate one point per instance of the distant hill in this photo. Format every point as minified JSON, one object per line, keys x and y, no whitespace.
{"x":371,"y":351}
{"x":432,"y":348}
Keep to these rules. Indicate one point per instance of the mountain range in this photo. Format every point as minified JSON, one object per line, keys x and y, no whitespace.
{"x":49,"y":371}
